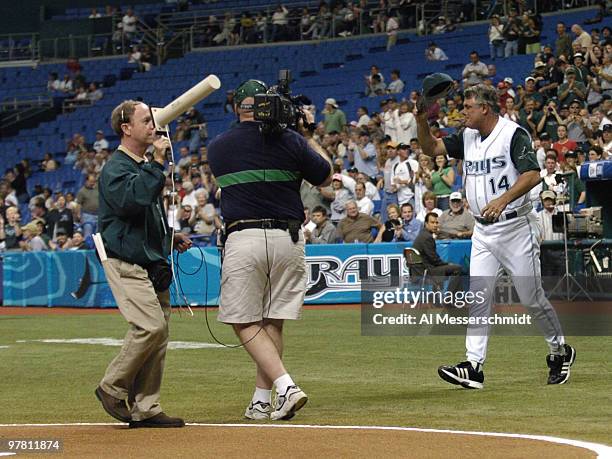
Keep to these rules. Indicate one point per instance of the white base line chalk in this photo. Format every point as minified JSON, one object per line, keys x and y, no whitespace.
{"x":602,"y":451}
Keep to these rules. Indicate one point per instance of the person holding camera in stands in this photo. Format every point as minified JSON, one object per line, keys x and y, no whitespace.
{"x":391,"y":225}
{"x":409,"y":227}
{"x":259,"y":170}
{"x":137,"y":240}
{"x":549,"y":122}
{"x":60,"y":217}
{"x":569,"y":181}
{"x":324,"y":232}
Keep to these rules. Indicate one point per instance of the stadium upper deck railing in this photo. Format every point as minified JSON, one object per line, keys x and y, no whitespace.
{"x":185,"y":31}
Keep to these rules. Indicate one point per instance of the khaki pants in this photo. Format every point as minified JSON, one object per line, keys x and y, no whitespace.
{"x":136,"y":373}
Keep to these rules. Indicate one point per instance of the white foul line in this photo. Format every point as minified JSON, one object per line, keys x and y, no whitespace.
{"x":602,"y":451}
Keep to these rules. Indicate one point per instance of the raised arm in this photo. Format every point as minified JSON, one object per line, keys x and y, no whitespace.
{"x":429,"y":144}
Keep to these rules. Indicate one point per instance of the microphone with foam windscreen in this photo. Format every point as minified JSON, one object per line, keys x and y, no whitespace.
{"x":163,"y":116}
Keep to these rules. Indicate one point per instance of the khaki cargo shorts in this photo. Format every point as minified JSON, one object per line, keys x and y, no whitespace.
{"x":246,"y":295}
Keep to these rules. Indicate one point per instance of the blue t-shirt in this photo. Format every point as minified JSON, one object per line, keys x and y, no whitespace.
{"x":260,"y":176}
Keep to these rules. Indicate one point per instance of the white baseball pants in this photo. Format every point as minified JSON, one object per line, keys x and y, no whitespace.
{"x":513,"y":245}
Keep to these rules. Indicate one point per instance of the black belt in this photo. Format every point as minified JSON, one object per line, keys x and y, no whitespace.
{"x":520,"y":212}
{"x":259,"y":224}
{"x":507,"y":216}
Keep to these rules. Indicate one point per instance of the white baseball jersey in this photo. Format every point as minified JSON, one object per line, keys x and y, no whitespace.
{"x":491,"y":166}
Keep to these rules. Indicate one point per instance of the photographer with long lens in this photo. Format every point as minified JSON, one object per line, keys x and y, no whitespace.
{"x":259,"y":166}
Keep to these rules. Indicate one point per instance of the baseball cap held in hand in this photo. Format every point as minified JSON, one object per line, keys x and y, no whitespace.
{"x":436,"y":86}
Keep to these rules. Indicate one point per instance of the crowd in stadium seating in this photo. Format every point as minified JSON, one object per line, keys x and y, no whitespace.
{"x":383,"y":185}
{"x":330,"y":19}
{"x":327,"y":20}
{"x":338,"y":19}
{"x":513,"y":35}
{"x":74,"y":86}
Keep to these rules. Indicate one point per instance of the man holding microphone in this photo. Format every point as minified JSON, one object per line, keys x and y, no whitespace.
{"x":263,"y":280}
{"x":137,"y":241}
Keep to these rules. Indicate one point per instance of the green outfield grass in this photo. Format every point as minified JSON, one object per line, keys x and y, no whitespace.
{"x":350,"y":379}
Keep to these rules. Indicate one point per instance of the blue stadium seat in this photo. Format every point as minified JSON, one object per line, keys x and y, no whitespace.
{"x":328,"y":69}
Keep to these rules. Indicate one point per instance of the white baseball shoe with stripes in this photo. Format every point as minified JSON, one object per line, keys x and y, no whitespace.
{"x":559,"y":365}
{"x":463,"y":374}
{"x":258,"y":411}
{"x":288,"y":403}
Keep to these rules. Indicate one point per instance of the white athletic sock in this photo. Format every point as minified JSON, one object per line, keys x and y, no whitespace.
{"x":476,"y":366}
{"x":262,"y":395}
{"x":282,"y":382}
{"x":557,"y":350}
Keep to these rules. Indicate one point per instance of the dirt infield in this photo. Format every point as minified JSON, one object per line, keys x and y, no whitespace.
{"x":250,"y":441}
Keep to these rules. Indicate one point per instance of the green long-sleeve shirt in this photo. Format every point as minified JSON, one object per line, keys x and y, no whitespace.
{"x":131,"y":214}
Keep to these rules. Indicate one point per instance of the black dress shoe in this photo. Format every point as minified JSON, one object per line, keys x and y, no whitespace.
{"x":159,"y":420}
{"x":116,"y":407}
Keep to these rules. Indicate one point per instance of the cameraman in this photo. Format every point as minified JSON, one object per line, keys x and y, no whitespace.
{"x":264,"y":272}
{"x":137,"y":241}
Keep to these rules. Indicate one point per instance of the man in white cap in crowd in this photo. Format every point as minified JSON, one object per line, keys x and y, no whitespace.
{"x":456,"y":222}
{"x":335,"y":119}
{"x":101,"y":143}
{"x":582,"y":72}
{"x":549,"y":199}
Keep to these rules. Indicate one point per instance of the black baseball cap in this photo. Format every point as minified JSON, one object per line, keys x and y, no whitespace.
{"x":544,"y":136}
{"x":403,"y":146}
{"x":571,"y":154}
{"x":352,"y":169}
{"x":436,"y":86}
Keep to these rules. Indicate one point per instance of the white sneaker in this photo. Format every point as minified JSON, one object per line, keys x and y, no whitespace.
{"x":257,"y":411}
{"x":286,"y":405}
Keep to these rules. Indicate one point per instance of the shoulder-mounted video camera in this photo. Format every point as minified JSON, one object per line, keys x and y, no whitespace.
{"x":278,"y":110}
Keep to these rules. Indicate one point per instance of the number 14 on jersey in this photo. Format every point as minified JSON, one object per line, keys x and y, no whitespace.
{"x":502,"y":184}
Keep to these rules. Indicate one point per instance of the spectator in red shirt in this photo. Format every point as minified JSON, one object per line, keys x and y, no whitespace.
{"x":73,"y":65}
{"x":564,"y":144}
{"x":503,"y":94}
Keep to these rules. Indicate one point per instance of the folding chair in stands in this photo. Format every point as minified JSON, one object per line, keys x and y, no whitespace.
{"x":418,"y":274}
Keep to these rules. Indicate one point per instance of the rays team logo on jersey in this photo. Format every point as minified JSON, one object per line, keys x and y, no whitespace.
{"x":485,"y":166}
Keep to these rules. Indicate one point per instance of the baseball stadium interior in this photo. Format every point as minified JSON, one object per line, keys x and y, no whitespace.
{"x":62,"y":77}
{"x":366,"y":71}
